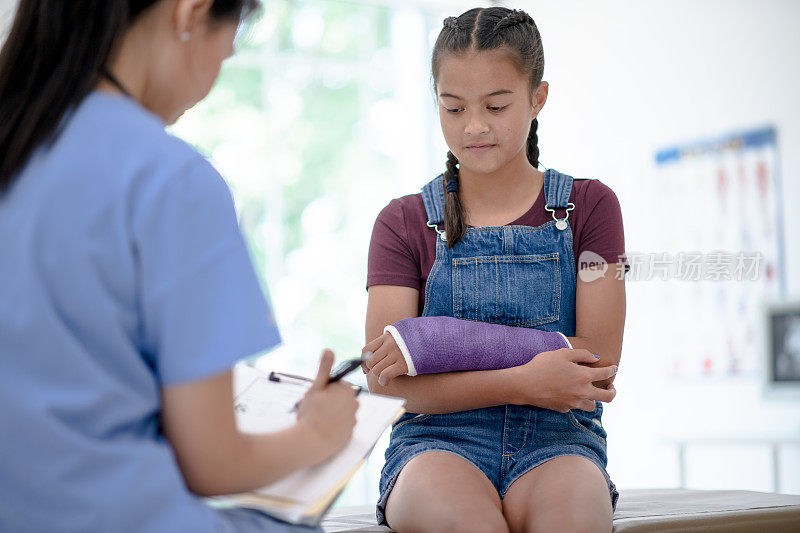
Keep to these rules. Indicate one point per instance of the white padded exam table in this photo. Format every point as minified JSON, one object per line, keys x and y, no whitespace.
{"x":657,"y":510}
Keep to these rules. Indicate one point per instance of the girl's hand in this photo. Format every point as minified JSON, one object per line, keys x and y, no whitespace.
{"x":328,"y":411}
{"x":557,"y":380}
{"x":387,"y":361}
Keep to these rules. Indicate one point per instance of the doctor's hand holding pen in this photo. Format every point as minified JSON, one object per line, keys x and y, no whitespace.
{"x":328,"y":411}
{"x":215,"y":458}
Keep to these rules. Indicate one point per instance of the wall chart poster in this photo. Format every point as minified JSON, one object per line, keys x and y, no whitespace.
{"x":720,"y":228}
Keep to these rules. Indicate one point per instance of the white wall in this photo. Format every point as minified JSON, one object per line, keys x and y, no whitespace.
{"x":6,"y":12}
{"x":626,"y":79}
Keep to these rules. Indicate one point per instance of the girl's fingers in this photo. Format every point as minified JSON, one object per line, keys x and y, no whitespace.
{"x":364,"y":357}
{"x":579,"y":355}
{"x":384,"y":363}
{"x":603,"y":372}
{"x":393,"y":371}
{"x":376,"y":357}
{"x":586,"y":405}
{"x":372,"y":345}
{"x":603,"y":395}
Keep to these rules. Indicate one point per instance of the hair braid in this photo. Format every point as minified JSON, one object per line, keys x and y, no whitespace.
{"x":532,"y":150}
{"x":453,"y":210}
{"x":512,"y":19}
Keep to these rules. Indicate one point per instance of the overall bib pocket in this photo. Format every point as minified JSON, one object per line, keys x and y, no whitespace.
{"x":515,"y":290}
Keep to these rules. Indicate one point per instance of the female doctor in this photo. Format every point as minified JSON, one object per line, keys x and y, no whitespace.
{"x":126,"y":290}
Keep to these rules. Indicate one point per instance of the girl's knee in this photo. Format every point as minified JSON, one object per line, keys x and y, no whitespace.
{"x":448,"y":519}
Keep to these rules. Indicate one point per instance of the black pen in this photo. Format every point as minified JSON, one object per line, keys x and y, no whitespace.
{"x":347,"y":366}
{"x":342,"y":369}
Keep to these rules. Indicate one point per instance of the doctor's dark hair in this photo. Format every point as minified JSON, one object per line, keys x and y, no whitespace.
{"x":477,"y":30}
{"x":53,"y":57}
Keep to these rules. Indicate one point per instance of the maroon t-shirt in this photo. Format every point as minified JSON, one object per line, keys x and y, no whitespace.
{"x":403,"y":248}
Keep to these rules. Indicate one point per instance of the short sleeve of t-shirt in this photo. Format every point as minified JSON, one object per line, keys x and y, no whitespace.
{"x":391,"y":260}
{"x":202,"y":304}
{"x":601,"y":234}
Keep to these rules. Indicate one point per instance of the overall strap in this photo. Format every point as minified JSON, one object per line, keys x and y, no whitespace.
{"x":557,"y":188}
{"x":433,"y":198}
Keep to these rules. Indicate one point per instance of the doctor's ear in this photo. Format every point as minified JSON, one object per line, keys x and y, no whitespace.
{"x":188,"y":15}
{"x":539,"y":97}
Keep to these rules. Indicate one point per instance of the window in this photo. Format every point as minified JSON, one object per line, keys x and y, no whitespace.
{"x":323,"y":115}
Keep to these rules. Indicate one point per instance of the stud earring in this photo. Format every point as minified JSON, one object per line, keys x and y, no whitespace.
{"x":185,"y":36}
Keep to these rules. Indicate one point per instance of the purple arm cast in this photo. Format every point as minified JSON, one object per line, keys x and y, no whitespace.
{"x":445,"y":344}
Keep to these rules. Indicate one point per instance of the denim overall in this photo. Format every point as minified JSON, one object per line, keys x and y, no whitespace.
{"x":519,"y":276}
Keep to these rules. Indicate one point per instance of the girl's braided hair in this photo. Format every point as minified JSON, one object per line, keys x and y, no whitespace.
{"x":487,"y":29}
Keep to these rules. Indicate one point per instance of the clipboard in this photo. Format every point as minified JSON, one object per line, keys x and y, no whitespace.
{"x":264,"y":403}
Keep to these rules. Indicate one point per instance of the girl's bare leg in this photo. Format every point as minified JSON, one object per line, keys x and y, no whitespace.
{"x":568,"y":493}
{"x":441,"y":492}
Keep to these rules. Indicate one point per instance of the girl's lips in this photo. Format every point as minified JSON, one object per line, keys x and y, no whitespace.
{"x":480,"y":148}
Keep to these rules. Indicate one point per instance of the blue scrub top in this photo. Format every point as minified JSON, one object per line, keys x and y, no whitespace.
{"x":122,"y":270}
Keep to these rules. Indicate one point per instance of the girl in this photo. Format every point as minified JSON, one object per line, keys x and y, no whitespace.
{"x":517,"y":444}
{"x":126,"y":290}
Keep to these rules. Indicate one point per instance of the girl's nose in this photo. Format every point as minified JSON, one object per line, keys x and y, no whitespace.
{"x":476,"y":125}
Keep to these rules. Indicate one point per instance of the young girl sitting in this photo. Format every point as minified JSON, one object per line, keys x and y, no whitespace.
{"x":480,"y":317}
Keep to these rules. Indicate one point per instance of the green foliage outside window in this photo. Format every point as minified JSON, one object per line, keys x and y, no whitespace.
{"x":310,"y":124}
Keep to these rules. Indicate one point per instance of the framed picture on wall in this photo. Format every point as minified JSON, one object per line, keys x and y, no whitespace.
{"x":782,"y":350}
{"x":726,"y":256}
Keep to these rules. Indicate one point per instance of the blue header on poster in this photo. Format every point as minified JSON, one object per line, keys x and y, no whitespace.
{"x":735,"y":141}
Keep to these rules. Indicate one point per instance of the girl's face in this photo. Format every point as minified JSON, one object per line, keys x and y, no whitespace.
{"x":486,"y":109}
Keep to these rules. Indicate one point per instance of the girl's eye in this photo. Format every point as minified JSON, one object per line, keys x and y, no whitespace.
{"x":454,"y":110}
{"x":496,"y":109}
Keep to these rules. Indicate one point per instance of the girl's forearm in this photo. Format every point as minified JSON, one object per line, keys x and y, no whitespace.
{"x":451,"y":392}
{"x":437,"y":344}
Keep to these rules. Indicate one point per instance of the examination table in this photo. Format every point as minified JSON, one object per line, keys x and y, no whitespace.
{"x":657,"y":510}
